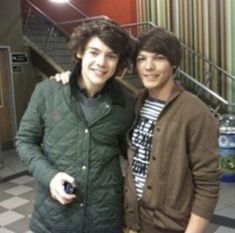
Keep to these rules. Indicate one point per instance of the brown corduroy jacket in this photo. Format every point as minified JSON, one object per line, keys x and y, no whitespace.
{"x":184,"y":170}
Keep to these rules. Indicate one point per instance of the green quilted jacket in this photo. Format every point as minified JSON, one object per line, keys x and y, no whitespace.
{"x":54,"y":136}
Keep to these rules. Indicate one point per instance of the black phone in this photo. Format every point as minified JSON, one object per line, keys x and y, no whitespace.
{"x":69,"y":188}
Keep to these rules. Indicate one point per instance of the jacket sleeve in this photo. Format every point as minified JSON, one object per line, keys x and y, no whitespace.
{"x":29,"y":139}
{"x":204,"y":162}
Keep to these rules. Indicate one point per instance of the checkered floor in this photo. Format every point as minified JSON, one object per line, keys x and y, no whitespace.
{"x":16,"y":198}
{"x":17,"y":195}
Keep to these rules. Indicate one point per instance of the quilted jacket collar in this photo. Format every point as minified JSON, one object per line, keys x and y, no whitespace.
{"x":112,"y":88}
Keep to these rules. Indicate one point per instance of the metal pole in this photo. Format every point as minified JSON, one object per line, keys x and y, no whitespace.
{"x":76,"y":9}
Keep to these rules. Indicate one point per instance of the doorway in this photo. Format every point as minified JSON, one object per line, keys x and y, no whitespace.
{"x":7,"y":104}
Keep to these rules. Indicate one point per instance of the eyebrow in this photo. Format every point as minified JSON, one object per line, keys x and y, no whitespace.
{"x":94,"y":48}
{"x":97,"y":49}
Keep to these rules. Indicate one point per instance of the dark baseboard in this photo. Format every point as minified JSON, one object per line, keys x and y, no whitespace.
{"x":14,"y":176}
{"x":223,"y":221}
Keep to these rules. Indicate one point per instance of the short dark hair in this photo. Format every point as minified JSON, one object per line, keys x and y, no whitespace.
{"x":159,"y":40}
{"x":109,"y":32}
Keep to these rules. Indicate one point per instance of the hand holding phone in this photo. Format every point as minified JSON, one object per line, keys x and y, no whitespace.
{"x":69,"y":188}
{"x":57,"y":188}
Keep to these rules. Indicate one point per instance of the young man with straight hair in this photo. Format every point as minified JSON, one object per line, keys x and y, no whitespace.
{"x":172,"y":178}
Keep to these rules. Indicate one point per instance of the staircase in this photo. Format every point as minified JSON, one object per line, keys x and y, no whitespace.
{"x":210,"y":83}
{"x":48,"y":44}
{"x":46,"y":40}
{"x":49,"y":52}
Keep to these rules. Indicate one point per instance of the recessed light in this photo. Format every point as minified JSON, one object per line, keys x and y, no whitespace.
{"x":60,"y":1}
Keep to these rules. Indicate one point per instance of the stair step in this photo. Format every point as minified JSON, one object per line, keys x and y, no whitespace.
{"x":43,"y":38}
{"x":57,"y":52}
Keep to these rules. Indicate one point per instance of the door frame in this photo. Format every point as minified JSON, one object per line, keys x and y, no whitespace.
{"x":11,"y":91}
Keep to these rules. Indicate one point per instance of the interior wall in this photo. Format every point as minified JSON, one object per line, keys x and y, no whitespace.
{"x":207,"y":27}
{"x":11,"y":33}
{"x":123,"y":12}
{"x":11,"y":36}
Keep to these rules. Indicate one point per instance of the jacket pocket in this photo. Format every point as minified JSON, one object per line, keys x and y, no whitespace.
{"x":166,"y":218}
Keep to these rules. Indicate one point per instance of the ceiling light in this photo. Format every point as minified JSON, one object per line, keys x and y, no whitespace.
{"x":60,"y":1}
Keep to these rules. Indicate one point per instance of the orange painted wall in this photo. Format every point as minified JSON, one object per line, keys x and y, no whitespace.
{"x":122,"y":11}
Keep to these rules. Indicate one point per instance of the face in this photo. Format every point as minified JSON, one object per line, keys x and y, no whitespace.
{"x":155,"y":72}
{"x":99,"y":63}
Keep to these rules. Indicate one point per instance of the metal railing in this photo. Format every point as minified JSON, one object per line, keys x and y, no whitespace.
{"x":34,"y":11}
{"x":82,"y":21}
{"x":199,"y":74}
{"x":196,"y":72}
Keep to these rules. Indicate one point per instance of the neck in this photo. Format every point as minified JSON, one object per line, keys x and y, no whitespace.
{"x":162,"y":93}
{"x":91,"y":90}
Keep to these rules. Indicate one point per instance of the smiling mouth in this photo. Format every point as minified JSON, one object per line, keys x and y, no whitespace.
{"x":150,"y":76}
{"x":99,"y":72}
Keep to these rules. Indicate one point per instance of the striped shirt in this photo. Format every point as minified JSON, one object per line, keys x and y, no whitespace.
{"x":142,"y":140}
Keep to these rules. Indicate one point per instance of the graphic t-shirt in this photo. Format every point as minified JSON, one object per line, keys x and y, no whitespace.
{"x":142,"y":140}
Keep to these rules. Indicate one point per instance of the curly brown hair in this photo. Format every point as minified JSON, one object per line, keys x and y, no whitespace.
{"x":109,"y":32}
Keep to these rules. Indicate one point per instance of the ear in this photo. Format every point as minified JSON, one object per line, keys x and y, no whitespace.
{"x":79,"y":55}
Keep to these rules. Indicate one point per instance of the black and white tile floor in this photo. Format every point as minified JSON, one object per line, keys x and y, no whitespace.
{"x":17,"y":195}
{"x":16,"y":199}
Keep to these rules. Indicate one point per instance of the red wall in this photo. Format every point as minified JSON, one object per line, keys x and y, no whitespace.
{"x":122,"y":11}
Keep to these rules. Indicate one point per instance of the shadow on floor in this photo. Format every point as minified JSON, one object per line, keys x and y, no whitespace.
{"x":12,"y":166}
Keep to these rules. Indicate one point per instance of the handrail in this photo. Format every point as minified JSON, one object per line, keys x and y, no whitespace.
{"x":139,"y":24}
{"x":129,"y":26}
{"x":208,"y":62}
{"x":56,"y":24}
{"x":82,"y":20}
{"x":51,"y":20}
{"x":221,"y":99}
{"x":185,"y":46}
{"x":42,"y":51}
{"x":76,"y":9}
{"x":27,"y":18}
{"x":48,"y":38}
{"x":41,"y":12}
{"x":47,"y":58}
